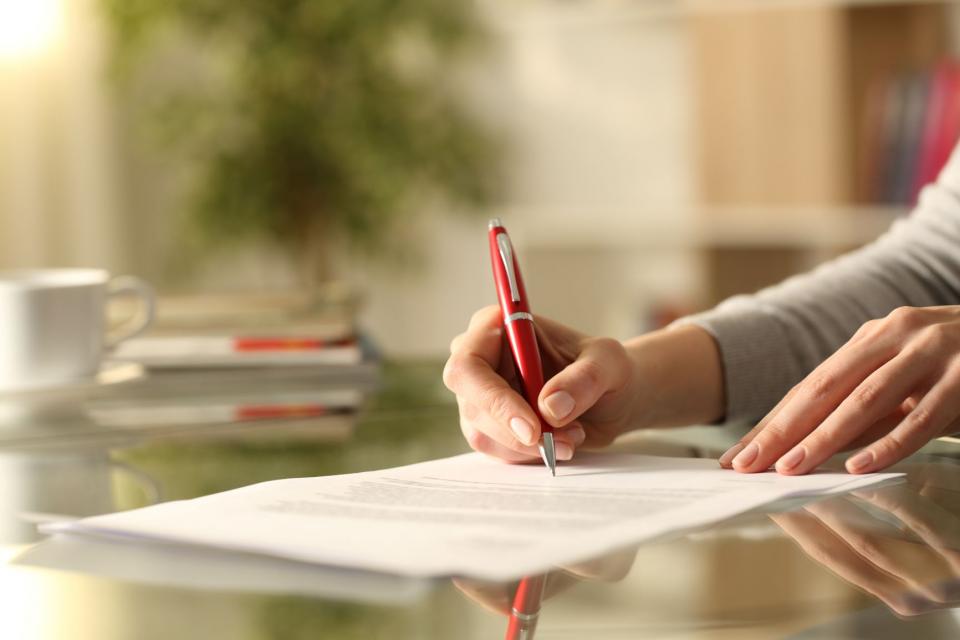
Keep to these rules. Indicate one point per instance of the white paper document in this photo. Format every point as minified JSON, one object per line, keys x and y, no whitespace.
{"x":466,"y":515}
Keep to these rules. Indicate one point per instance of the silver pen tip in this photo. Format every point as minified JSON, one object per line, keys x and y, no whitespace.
{"x":548,"y":451}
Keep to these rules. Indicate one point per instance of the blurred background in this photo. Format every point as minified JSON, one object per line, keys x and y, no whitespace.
{"x":296,"y":170}
{"x":650,"y":157}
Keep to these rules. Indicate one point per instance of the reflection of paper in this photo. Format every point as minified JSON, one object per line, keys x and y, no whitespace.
{"x":466,"y":515}
{"x":204,"y":569}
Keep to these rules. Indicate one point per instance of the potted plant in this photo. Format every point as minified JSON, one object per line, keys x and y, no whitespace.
{"x":313,"y":123}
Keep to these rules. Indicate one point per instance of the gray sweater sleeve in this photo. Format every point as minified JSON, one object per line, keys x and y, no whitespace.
{"x":770,"y":340}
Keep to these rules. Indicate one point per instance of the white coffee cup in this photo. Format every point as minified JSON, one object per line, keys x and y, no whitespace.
{"x":53,"y":323}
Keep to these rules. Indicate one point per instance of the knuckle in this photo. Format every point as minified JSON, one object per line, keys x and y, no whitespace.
{"x":904,"y":317}
{"x":592,"y":372}
{"x":453,"y":373}
{"x":869,"y":330}
{"x":820,"y":443}
{"x":891,"y":447}
{"x":933,"y":340}
{"x":476,"y":440}
{"x":864,"y":396}
{"x":864,"y":329}
{"x":820,"y":384}
{"x":820,"y":553}
{"x":485,"y":315}
{"x":497,"y":404}
{"x":775,"y":433}
{"x":920,"y":420}
{"x":469,"y":412}
{"x":865,"y":547}
{"x":456,"y":342}
{"x":607,"y":345}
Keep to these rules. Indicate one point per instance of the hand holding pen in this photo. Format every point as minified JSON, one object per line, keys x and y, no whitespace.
{"x":589,"y":396}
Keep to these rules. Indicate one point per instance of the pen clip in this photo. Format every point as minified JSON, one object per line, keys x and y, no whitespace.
{"x":506,"y":255}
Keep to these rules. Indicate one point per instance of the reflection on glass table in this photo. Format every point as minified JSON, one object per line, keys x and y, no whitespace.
{"x":750,"y":577}
{"x":898,"y":544}
{"x":901,"y":544}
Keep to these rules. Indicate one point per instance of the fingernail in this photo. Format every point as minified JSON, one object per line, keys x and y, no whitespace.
{"x":564,"y":451}
{"x":747,"y":456}
{"x":792,"y":458}
{"x":578,"y":435}
{"x":559,"y":404}
{"x":522,"y":429}
{"x":732,"y":451}
{"x":860,"y":462}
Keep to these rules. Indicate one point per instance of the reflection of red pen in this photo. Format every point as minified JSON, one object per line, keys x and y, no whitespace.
{"x":518,"y":321}
{"x":526,"y":608}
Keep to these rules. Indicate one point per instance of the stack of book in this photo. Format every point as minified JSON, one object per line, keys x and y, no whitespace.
{"x":223,"y":333}
{"x":910,"y":124}
{"x":237,"y":360}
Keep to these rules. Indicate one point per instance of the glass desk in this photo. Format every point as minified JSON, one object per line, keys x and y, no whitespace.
{"x":880,"y":564}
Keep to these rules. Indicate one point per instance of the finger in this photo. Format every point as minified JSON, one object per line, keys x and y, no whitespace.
{"x":821,"y":544}
{"x":486,"y":317}
{"x":919,"y":567}
{"x":486,"y":436}
{"x":815,"y":399}
{"x":476,"y":418}
{"x":876,"y":397}
{"x":879,"y":429}
{"x":726,"y":459}
{"x":473,"y":380}
{"x":937,"y":527}
{"x":933,"y":415}
{"x":612,"y":567}
{"x":600,"y":368}
{"x":495,"y":597}
{"x":885,"y":425}
{"x":482,"y":443}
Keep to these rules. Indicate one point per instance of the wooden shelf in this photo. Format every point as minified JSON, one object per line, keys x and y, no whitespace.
{"x":814,"y":228}
{"x":549,"y":14}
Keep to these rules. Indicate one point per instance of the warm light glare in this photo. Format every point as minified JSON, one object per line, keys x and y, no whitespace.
{"x":27,"y":26}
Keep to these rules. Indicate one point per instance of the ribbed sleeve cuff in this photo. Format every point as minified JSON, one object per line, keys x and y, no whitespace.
{"x":757,"y":366}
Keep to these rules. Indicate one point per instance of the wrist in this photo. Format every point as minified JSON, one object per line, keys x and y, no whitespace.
{"x":677,"y":378}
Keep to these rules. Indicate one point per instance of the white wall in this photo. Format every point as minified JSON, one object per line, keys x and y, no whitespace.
{"x":596,"y":105}
{"x":593,"y":98}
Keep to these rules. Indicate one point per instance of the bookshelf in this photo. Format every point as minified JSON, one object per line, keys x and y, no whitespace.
{"x":777,"y":95}
{"x":794,"y":108}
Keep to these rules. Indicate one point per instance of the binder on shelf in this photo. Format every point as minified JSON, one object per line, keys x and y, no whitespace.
{"x":910,"y":124}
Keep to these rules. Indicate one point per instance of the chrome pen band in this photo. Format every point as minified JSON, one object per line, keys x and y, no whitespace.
{"x":524,"y":617}
{"x":519,"y":315}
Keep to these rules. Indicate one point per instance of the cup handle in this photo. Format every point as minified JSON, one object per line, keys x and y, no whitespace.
{"x":132,"y":286}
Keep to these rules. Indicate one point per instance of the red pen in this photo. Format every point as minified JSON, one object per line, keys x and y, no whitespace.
{"x":518,"y":322}
{"x":525,"y":611}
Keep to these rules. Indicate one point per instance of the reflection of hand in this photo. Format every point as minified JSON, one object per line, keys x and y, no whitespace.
{"x":909,"y":576}
{"x":498,"y":596}
{"x":588,"y":386}
{"x":892,"y":388}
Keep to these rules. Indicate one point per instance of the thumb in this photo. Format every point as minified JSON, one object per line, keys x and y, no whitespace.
{"x":601,"y":367}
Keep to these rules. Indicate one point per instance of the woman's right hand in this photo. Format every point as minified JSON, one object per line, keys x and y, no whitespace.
{"x":588,"y":397}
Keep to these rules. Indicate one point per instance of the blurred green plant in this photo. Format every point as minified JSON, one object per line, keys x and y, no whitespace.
{"x":312,"y":123}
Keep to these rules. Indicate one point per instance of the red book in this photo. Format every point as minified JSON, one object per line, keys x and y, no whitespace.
{"x":928,"y":165}
{"x":950,"y":122}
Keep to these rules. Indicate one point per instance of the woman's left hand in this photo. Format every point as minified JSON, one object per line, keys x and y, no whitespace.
{"x":891,"y":389}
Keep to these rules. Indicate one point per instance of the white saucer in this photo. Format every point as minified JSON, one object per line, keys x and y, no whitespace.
{"x":111,"y":373}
